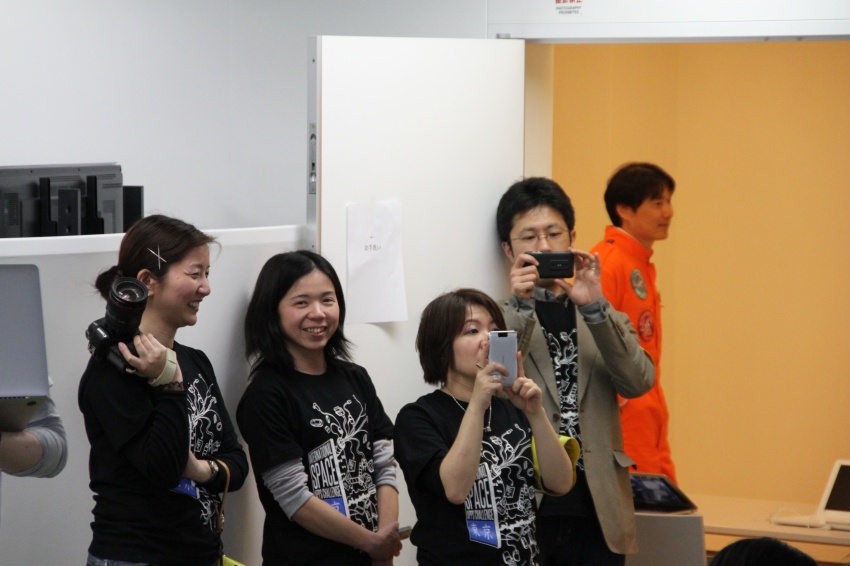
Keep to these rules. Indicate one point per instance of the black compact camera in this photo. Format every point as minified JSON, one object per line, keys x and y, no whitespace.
{"x":554,"y":264}
{"x":124,"y":307}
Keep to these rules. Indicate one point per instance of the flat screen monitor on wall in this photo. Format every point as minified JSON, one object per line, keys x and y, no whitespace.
{"x":61,"y":200}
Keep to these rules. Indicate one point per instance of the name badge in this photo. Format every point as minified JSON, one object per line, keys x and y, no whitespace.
{"x":482,"y":518}
{"x":187,"y":487}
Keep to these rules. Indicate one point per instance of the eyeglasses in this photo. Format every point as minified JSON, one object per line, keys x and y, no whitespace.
{"x":554,"y":236}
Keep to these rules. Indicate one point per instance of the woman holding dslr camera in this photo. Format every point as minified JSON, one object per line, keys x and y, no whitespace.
{"x":155,"y":417}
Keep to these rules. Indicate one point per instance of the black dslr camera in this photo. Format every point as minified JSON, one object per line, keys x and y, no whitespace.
{"x":124,"y":307}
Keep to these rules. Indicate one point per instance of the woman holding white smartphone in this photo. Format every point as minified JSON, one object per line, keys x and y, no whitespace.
{"x":466,"y":449}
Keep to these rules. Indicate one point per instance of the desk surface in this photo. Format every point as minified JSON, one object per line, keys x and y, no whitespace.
{"x":751,"y":518}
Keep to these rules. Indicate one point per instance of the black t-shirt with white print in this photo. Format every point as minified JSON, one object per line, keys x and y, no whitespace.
{"x":558,"y":322}
{"x":139,"y":438}
{"x":330,"y":422}
{"x":496,"y":524}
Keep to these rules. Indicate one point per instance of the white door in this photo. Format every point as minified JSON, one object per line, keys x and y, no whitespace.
{"x":436,"y":124}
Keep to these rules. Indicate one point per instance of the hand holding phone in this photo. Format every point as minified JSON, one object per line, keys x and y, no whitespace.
{"x":554,"y":265}
{"x":503,"y":345}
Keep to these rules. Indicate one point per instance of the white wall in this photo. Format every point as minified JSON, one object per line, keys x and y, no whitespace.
{"x":202,"y":102}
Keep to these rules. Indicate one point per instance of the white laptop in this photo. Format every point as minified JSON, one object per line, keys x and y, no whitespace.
{"x":23,"y":354}
{"x":834,"y":509}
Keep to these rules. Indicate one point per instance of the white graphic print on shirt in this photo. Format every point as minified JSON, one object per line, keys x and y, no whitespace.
{"x":204,"y":424}
{"x":341,"y":468}
{"x":325,"y":476}
{"x":565,"y":362}
{"x":500,"y":507}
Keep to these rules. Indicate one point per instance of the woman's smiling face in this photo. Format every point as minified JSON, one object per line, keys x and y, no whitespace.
{"x":309,"y":315}
{"x":176,"y":298}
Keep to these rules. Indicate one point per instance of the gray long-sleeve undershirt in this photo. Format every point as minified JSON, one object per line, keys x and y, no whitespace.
{"x":288,"y":481}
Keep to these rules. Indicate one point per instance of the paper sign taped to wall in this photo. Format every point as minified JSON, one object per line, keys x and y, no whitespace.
{"x":375,"y":290}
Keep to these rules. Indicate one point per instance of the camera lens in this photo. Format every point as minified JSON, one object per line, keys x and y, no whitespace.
{"x":125,"y":305}
{"x":129,"y":290}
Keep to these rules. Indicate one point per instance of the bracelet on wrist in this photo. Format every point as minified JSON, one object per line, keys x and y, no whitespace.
{"x":167,"y":375}
{"x":213,"y":470}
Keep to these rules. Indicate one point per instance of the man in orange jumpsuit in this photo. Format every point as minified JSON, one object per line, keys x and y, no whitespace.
{"x":638,"y":200}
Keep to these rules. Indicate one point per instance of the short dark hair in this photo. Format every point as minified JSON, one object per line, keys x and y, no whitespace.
{"x":527,"y":194}
{"x":632,"y":184}
{"x":763,"y":551}
{"x":154,"y":243}
{"x":442,"y":321}
{"x":265,"y":342}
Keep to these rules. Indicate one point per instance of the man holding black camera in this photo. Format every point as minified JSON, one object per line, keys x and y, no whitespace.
{"x":638,"y":200}
{"x":582,"y":354}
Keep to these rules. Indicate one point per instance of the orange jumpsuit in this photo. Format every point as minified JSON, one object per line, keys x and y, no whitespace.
{"x":628,"y":281}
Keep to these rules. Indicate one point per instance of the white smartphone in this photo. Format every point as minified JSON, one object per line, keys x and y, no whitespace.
{"x":503,"y":351}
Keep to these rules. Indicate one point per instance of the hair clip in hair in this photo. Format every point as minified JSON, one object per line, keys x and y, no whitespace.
{"x":159,"y":259}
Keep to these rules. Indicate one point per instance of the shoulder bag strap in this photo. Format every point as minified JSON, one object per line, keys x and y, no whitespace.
{"x":220,"y":514}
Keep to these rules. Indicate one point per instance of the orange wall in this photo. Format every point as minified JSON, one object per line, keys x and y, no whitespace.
{"x":755,"y":273}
